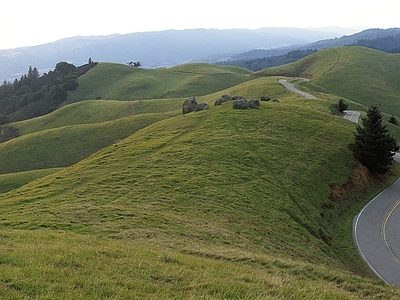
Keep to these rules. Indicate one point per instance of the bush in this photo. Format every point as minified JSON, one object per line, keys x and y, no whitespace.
{"x":393,"y":120}
{"x":7,"y":133}
{"x":57,"y":95}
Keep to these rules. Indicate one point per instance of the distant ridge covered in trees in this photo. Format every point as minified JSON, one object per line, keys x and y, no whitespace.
{"x":258,"y":64}
{"x":256,"y":60}
{"x":34,"y":95}
{"x":390,"y":44}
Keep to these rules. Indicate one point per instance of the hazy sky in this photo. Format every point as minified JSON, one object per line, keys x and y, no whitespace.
{"x":29,"y":22}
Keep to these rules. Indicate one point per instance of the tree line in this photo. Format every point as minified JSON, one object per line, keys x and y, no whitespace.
{"x":390,"y":44}
{"x":257,"y":64}
{"x":33,"y":95}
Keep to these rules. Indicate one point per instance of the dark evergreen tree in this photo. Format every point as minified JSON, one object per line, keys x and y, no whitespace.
{"x":342,"y":106}
{"x":374,"y":146}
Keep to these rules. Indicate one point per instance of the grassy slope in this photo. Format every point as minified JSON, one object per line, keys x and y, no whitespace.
{"x":214,"y":204}
{"x":359,"y":74}
{"x":12,"y":181}
{"x":46,"y":142}
{"x":97,"y":111}
{"x":120,"y":82}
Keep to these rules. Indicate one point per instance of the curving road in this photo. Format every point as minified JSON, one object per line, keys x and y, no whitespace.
{"x":292,"y":88}
{"x":350,"y":115}
{"x":377,"y":236}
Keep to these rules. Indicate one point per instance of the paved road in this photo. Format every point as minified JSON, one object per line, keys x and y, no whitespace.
{"x":377,"y":236}
{"x":292,"y":88}
{"x":352,"y":115}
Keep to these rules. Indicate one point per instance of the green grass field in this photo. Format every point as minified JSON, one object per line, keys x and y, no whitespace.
{"x":359,"y":74}
{"x":121,"y":82}
{"x":152,"y":204}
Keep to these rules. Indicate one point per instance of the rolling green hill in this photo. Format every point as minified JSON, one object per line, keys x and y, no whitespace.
{"x":122,"y":82}
{"x":359,"y":74}
{"x":153,"y":204}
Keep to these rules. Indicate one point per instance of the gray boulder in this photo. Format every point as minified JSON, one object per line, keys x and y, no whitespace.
{"x":226,"y":97}
{"x":265,"y":98}
{"x":190,"y":105}
{"x":254,"y":103}
{"x":237,"y":97}
{"x":223,"y":99}
{"x":202,"y":106}
{"x":219,"y":101}
{"x":240,"y":104}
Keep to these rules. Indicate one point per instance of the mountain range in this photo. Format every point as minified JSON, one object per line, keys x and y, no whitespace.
{"x":353,"y":39}
{"x":157,"y":49}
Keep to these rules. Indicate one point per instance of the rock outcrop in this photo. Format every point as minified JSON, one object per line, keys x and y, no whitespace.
{"x":240,"y":104}
{"x":254,"y":103}
{"x":191,"y":105}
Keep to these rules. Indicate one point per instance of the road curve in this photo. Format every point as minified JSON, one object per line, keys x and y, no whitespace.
{"x":350,"y":115}
{"x":292,"y":88}
{"x":377,"y":236}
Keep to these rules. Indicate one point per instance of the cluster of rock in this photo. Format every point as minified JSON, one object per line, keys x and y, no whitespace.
{"x":191,"y":105}
{"x":239,"y":102}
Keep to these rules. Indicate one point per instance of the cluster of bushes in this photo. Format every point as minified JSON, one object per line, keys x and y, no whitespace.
{"x":33,"y":95}
{"x":8,"y":133}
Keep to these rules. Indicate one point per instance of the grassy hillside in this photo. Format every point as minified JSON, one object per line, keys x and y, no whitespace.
{"x":359,"y":74}
{"x":12,"y":181}
{"x":215,"y":204}
{"x":76,"y":131}
{"x":122,"y":82}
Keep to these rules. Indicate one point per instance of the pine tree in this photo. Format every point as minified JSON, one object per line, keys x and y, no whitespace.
{"x":342,"y":106}
{"x":374,"y":146}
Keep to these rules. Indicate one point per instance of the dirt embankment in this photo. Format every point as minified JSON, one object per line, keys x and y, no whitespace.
{"x":360,"y":181}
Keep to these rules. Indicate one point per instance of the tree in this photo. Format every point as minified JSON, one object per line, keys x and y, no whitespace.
{"x":135,"y":64}
{"x":71,"y":83}
{"x":33,"y":73}
{"x":342,"y":106}
{"x":57,"y":95}
{"x":374,"y":147}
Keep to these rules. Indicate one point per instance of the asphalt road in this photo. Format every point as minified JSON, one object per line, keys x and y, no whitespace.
{"x":291,"y":87}
{"x":352,"y":115}
{"x":377,"y":236}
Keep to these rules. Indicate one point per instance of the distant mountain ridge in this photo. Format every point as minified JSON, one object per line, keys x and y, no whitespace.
{"x":154,"y":49}
{"x":368,"y":34}
{"x":387,"y":40}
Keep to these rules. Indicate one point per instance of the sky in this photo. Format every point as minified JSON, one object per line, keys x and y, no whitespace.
{"x":34,"y":22}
